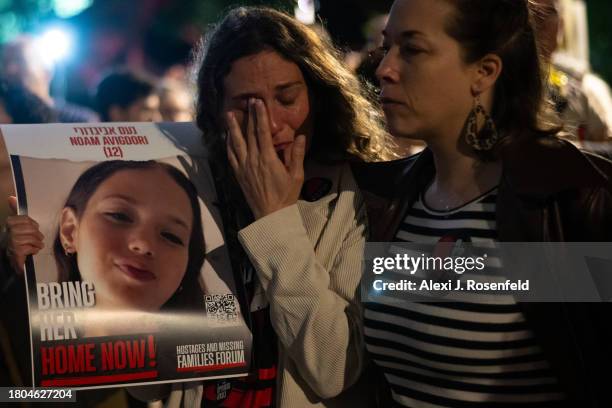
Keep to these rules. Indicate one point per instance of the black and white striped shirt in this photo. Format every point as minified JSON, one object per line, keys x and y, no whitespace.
{"x":473,"y":352}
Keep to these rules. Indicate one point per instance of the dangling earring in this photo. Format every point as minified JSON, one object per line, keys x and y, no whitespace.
{"x":68,"y":251}
{"x":485,"y":138}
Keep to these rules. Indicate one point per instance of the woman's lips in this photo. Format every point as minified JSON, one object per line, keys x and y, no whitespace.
{"x":137,"y":273}
{"x":389,"y":101}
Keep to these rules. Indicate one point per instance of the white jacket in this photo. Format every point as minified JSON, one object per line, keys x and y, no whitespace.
{"x":308,"y":258}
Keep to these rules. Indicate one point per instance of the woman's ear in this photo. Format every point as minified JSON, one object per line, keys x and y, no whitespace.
{"x":69,"y":229}
{"x":488,"y":69}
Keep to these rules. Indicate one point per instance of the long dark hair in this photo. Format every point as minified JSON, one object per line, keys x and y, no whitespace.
{"x":505,"y":28}
{"x":86,"y":186}
{"x":347,"y":122}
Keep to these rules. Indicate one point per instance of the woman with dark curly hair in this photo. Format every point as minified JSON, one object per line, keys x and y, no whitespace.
{"x":283,"y":118}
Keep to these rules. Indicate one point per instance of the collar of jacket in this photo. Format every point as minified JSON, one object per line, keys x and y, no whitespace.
{"x":533,"y":170}
{"x":388,"y":188}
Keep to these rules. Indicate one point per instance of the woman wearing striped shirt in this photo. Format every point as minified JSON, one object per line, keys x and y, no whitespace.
{"x":464,"y":76}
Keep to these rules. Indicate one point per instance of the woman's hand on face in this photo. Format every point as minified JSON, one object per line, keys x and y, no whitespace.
{"x":23,"y":237}
{"x":268,"y":184}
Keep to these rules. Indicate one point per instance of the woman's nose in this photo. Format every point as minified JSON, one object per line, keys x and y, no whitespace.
{"x":386,"y":71}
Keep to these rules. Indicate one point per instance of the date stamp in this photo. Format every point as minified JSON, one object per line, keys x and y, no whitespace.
{"x":10,"y":394}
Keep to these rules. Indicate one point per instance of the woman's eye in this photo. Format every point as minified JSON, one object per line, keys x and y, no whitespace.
{"x":241,"y":105}
{"x":377,"y":54}
{"x":118,"y":216}
{"x":175,"y":239}
{"x":288,"y":97}
{"x":410,"y":51}
{"x":287,"y":101}
{"x":382,"y":50}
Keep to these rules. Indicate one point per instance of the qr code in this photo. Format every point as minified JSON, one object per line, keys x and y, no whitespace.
{"x":221,"y":307}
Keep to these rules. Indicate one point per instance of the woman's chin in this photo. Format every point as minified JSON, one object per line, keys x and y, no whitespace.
{"x":127,"y":302}
{"x":403,"y":132}
{"x":401,"y":127}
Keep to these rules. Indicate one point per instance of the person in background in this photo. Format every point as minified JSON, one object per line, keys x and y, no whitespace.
{"x":581,"y":116}
{"x":17,"y":106}
{"x":361,"y":62}
{"x":573,"y":42}
{"x":20,"y":106}
{"x":21,"y":62}
{"x":465,"y":77}
{"x":175,"y":101}
{"x":127,"y":96}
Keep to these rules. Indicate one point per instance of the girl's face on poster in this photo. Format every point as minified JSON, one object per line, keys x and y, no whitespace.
{"x":132,"y":239}
{"x":280,"y":84}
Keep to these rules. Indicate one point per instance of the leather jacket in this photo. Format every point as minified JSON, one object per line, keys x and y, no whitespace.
{"x":549,"y":191}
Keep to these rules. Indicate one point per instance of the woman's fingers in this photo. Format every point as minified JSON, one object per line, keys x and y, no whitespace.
{"x":26,"y":236}
{"x":267,"y":184}
{"x":12,"y":202}
{"x":18,"y":249}
{"x":298,"y":151}
{"x":29,"y":250}
{"x":31,"y":234}
{"x":20,"y":219}
{"x":23,"y":230}
{"x":16,"y":220}
{"x":264,"y":137}
{"x":236,"y":139}
{"x":18,"y":256}
{"x":231,"y":157}
{"x":252,"y":148}
{"x":21,"y":223}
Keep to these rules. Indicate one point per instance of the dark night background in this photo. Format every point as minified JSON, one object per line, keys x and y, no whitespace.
{"x":157,"y":34}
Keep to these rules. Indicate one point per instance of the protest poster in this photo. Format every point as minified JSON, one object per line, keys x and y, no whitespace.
{"x":134,"y":284}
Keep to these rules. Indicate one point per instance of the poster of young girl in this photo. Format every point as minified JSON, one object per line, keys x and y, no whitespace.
{"x":133,"y":283}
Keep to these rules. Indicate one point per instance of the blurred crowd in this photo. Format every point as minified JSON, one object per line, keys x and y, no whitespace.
{"x":582,"y":99}
{"x":122,"y":95}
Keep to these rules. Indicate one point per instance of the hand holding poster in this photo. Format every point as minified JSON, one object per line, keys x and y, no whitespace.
{"x":133,"y":284}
